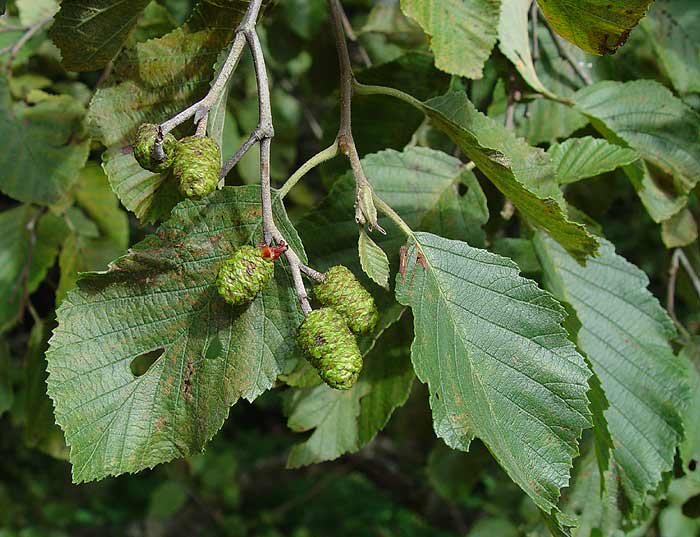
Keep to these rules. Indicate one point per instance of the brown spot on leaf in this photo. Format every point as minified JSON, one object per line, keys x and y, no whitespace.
{"x":187,"y":380}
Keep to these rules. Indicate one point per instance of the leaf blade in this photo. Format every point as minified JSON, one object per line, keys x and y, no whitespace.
{"x":476,"y":296}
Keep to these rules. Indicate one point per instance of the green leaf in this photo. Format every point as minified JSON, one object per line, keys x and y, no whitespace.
{"x":679,"y":230}
{"x":462,"y":32}
{"x":373,"y":260}
{"x":28,"y":247}
{"x":95,"y":196}
{"x":345,"y":421}
{"x":163,"y":299}
{"x":522,"y":173}
{"x":44,"y":147}
{"x":90,"y":34}
{"x":671,"y":27}
{"x":625,"y":333}
{"x":580,"y":158}
{"x":514,"y":42}
{"x":497,"y":362}
{"x":596,"y":509}
{"x":150,"y":196}
{"x":596,"y":26}
{"x":33,"y":408}
{"x":650,"y":119}
{"x":690,"y":447}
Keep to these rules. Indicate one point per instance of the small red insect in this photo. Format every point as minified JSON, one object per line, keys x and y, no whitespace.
{"x":273,"y":252}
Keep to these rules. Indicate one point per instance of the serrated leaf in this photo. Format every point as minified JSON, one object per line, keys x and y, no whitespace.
{"x":150,"y":196}
{"x":44,"y":148}
{"x":625,"y":333}
{"x":514,"y":42}
{"x":462,"y":32}
{"x":94,"y":195}
{"x":596,"y":26}
{"x":373,"y":260}
{"x":28,"y":247}
{"x":650,"y":119}
{"x":345,"y":421}
{"x":91,"y":33}
{"x":580,"y":158}
{"x":161,"y":297}
{"x":497,"y":362}
{"x":522,"y":173}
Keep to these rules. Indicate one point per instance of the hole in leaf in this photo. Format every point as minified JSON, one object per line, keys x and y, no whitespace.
{"x":692,"y":464}
{"x":462,"y":189}
{"x":691,"y":508}
{"x":143,"y":362}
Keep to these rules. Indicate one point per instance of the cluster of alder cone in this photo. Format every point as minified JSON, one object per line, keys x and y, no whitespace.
{"x":326,"y":335}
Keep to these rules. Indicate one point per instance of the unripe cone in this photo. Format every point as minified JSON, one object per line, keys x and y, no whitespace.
{"x":342,"y":291}
{"x":246,"y":272}
{"x":197,"y":165}
{"x":331,"y":348}
{"x":145,"y":140}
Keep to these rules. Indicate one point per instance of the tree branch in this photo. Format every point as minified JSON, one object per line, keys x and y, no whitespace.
{"x":365,"y":211}
{"x":200,"y":109}
{"x":266,"y":132}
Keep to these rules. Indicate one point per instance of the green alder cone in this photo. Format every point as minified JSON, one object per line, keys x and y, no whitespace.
{"x":331,"y":348}
{"x":143,"y":144}
{"x":197,"y":165}
{"x":342,"y":291}
{"x":243,"y":275}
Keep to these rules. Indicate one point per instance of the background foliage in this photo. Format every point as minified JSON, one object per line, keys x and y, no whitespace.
{"x":550,"y":187}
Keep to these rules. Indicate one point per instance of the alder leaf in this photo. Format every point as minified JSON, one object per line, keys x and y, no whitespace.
{"x":160,"y":301}
{"x":462,"y":32}
{"x":647,"y":117}
{"x":522,"y":173}
{"x":680,"y":230}
{"x":625,"y":333}
{"x":580,"y":158}
{"x":596,"y":26}
{"x":90,"y":34}
{"x":498,"y":364}
{"x":45,"y":146}
{"x":373,"y":260}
